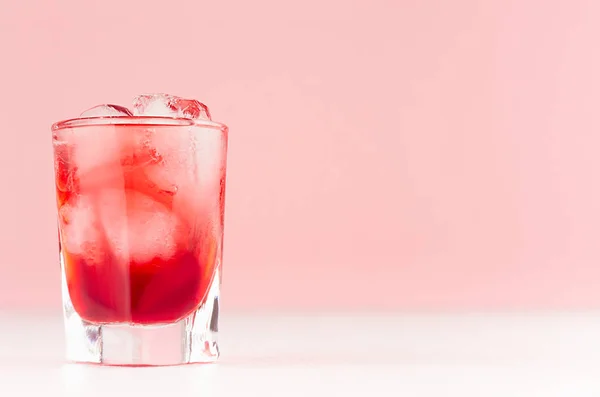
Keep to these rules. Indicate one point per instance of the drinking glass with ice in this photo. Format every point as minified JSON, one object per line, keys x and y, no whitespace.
{"x":140,"y":197}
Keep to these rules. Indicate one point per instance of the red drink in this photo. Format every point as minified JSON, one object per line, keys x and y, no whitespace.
{"x":140,"y":199}
{"x":140,"y":205}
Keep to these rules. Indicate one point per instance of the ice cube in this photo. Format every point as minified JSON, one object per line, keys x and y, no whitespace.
{"x":107,"y":111}
{"x":165,"y":105}
{"x":189,"y":174}
{"x":97,"y":154}
{"x":81,"y":232}
{"x":98,"y":146}
{"x":137,"y":227}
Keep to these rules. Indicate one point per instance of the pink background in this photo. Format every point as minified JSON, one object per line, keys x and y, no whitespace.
{"x":422,"y":154}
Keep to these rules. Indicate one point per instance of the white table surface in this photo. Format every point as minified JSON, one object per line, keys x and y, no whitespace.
{"x":332,"y":355}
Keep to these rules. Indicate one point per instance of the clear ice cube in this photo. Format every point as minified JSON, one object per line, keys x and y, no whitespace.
{"x":80,"y":233}
{"x":137,"y":227}
{"x":164,"y":105}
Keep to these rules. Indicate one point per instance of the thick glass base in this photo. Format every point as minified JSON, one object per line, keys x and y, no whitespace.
{"x":190,"y":340}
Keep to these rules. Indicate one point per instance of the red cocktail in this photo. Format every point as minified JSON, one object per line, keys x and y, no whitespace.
{"x":140,"y":213}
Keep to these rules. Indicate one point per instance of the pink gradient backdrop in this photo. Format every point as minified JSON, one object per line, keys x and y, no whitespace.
{"x":418,"y":154}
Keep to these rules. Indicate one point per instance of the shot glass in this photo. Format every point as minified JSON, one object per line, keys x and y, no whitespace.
{"x":140,"y":226}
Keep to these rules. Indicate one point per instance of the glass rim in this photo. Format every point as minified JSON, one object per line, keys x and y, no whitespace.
{"x":139,"y":121}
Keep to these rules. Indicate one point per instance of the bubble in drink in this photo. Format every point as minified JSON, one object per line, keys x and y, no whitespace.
{"x":107,"y":111}
{"x":164,"y":105}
